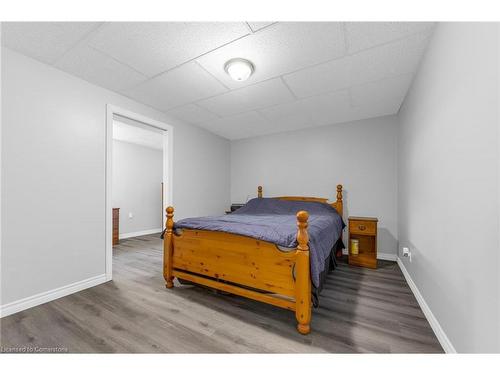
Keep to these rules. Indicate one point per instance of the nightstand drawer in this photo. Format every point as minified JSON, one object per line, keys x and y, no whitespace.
{"x":362,"y":227}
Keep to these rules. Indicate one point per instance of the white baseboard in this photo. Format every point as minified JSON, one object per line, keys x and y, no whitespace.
{"x":44,"y":297}
{"x":382,"y":256}
{"x":140,"y":233}
{"x":436,"y":327}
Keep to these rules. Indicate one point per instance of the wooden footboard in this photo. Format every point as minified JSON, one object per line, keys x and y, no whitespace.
{"x":244,"y":266}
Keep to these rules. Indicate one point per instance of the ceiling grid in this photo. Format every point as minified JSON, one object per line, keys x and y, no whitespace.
{"x":306,"y":74}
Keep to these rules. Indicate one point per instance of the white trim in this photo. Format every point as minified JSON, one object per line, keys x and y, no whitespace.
{"x":436,"y":327}
{"x":44,"y":297}
{"x":1,"y":127}
{"x":168,"y":158}
{"x":498,"y":160}
{"x":140,"y":233}
{"x":107,"y":198}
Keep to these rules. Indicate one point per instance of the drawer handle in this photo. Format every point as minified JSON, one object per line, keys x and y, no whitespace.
{"x":361,"y":227}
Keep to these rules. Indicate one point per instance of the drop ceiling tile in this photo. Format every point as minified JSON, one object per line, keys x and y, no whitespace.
{"x":334,"y":108}
{"x":377,"y":108}
{"x":391,"y":90}
{"x":192,"y":114}
{"x":330,"y":76}
{"x":280,"y":49}
{"x":328,"y":108}
{"x":317,"y":110}
{"x":154,"y":47}
{"x":44,"y":41}
{"x":244,"y":125}
{"x":256,"y":26}
{"x":397,"y":58}
{"x":287,"y":124}
{"x":95,"y":67}
{"x":298,"y":119}
{"x":292,"y":113}
{"x":363,"y":35}
{"x":331,"y":85}
{"x":176,"y":87}
{"x":331,"y":108}
{"x":257,"y":96}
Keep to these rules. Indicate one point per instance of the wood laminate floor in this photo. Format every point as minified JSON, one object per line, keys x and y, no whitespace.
{"x":361,"y":310}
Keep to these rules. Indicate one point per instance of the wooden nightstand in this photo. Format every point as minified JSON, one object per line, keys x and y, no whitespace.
{"x":363,"y":229}
{"x":116,"y":226}
{"x":234,"y":207}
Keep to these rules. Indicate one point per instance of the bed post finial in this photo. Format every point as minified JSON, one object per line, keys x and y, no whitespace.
{"x":339,"y":192}
{"x":259,"y":191}
{"x":302,"y":276}
{"x":339,"y":205}
{"x":302,"y":235}
{"x":168,"y":248}
{"x":170,"y":218}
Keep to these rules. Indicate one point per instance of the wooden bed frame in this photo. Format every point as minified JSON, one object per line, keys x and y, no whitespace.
{"x":246,"y":266}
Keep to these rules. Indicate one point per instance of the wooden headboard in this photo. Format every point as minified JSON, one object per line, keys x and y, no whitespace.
{"x":338,"y":205}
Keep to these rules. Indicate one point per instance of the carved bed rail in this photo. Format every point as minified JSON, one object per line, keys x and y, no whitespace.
{"x":338,"y":204}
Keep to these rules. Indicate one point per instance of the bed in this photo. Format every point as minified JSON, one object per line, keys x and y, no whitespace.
{"x":273,"y":250}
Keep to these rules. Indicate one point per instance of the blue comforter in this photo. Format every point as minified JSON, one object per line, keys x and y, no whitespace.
{"x":275,"y":221}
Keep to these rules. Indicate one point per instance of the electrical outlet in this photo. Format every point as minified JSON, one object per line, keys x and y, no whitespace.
{"x":407,"y":253}
{"x":130,"y":215}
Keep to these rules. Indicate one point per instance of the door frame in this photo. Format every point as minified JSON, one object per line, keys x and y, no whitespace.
{"x":168,"y":155}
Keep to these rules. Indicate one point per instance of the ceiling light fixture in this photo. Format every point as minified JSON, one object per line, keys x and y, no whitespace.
{"x":239,"y":69}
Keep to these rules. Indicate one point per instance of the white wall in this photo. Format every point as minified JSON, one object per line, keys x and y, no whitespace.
{"x":137,"y":177}
{"x":1,"y":172}
{"x":53,"y":175}
{"x":448,"y":183}
{"x":360,"y":155}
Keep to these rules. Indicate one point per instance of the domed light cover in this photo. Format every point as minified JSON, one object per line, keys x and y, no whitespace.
{"x":239,"y":69}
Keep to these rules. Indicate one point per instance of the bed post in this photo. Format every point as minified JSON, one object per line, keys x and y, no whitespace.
{"x":340,"y":203}
{"x":168,"y":248}
{"x":259,"y":191}
{"x":302,"y":276}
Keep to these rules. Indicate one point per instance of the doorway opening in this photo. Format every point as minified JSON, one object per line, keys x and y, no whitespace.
{"x":138,"y":177}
